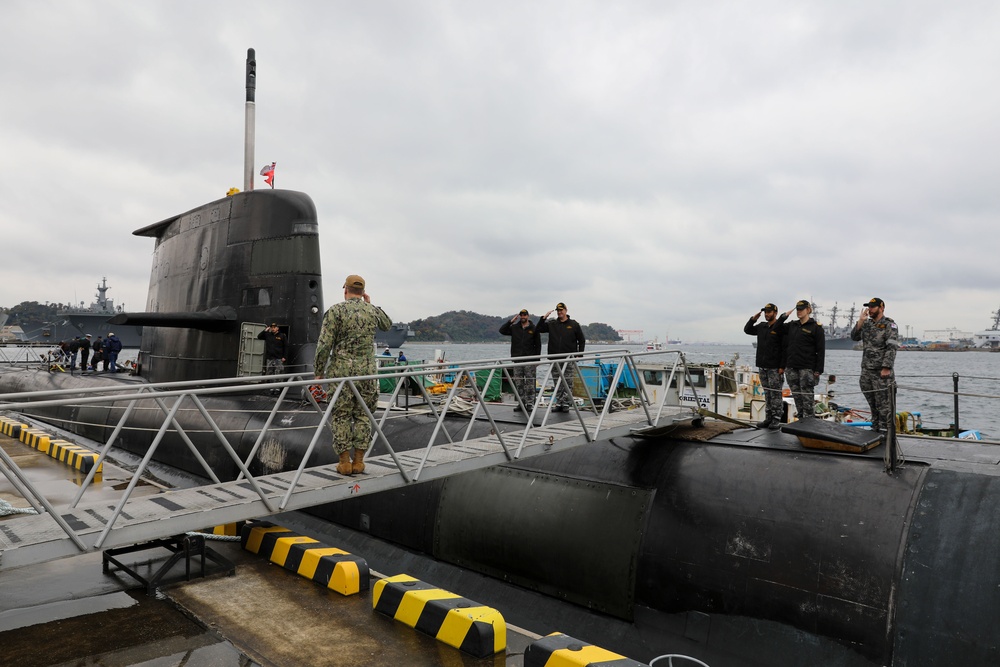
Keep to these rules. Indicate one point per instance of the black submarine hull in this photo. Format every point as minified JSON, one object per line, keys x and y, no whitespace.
{"x":735,"y":554}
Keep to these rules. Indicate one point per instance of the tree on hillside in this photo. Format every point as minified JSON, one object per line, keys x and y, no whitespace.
{"x":464,"y":326}
{"x":32,"y":311}
{"x":598,"y":331}
{"x":460,"y":326}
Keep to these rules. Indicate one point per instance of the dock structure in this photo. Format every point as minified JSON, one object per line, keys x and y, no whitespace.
{"x":65,"y":531}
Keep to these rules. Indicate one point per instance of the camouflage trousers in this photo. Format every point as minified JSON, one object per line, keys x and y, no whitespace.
{"x":274,"y":367}
{"x":524,"y":383}
{"x":350,"y":425}
{"x":877,"y":392}
{"x":770,"y":382}
{"x":564,"y":395}
{"x":802,"y":382}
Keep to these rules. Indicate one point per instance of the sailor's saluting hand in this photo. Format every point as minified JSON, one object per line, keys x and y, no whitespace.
{"x":756,"y":316}
{"x":515,"y":319}
{"x":546,"y":315}
{"x":864,"y":316}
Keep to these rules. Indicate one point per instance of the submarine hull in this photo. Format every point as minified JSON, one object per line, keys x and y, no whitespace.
{"x":741,"y":555}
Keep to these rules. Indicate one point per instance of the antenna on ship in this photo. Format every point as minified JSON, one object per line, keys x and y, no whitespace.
{"x":248,"y":141}
{"x":850,"y":317}
{"x":833,"y":317}
{"x":996,"y":319}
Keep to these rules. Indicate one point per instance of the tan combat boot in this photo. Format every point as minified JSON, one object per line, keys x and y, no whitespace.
{"x":359,"y":461}
{"x":344,"y":467}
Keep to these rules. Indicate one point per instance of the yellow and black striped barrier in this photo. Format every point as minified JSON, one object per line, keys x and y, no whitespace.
{"x":74,"y":456}
{"x":71,"y":454}
{"x":35,"y":438}
{"x":11,"y":427}
{"x":449,"y":618}
{"x":334,"y":568}
{"x":559,"y":650}
{"x":229,"y":529}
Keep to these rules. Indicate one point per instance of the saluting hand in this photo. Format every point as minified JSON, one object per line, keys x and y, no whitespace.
{"x":546,"y":316}
{"x":864,"y":316}
{"x":515,"y":319}
{"x":756,"y":316}
{"x":367,"y":298}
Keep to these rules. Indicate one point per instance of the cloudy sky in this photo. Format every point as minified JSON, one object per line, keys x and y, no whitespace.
{"x":664,"y":166}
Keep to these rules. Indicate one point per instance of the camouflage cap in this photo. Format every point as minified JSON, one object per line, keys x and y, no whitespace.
{"x":802,"y":304}
{"x":875,"y":301}
{"x":354,"y":281}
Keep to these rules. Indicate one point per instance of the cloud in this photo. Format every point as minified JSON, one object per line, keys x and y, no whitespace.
{"x":655,"y":166}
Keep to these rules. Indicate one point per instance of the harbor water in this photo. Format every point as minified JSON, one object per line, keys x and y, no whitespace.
{"x":924,"y":378}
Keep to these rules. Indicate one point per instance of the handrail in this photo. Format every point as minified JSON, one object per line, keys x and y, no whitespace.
{"x":130,"y":395}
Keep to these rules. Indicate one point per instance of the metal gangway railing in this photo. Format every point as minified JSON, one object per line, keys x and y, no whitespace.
{"x":58,"y":532}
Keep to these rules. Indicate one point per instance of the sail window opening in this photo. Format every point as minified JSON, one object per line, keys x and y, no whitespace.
{"x":257,"y":296}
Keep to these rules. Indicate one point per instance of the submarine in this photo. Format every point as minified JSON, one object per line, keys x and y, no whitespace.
{"x":737,"y":548}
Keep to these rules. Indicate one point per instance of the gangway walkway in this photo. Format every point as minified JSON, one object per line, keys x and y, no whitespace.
{"x":56,"y":533}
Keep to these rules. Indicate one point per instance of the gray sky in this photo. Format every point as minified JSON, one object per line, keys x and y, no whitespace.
{"x":664,"y":166}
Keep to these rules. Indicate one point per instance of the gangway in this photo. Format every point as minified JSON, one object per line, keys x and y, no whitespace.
{"x":56,"y":533}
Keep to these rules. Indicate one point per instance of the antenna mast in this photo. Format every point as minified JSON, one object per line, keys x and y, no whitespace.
{"x":251,"y":113}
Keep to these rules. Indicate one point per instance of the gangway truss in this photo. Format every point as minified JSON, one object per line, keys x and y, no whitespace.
{"x":55,"y":533}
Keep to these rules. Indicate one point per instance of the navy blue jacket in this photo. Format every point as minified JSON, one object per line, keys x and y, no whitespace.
{"x":770,"y":339}
{"x":805,"y":345}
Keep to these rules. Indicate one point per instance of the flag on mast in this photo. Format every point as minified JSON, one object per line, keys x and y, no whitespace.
{"x":267,"y":171}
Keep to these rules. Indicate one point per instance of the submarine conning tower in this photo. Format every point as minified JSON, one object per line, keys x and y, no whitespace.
{"x":248,"y":258}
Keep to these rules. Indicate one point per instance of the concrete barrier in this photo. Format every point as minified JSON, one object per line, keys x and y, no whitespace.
{"x":11,"y":427}
{"x":71,"y":454}
{"x":332,"y":567}
{"x":559,"y":650}
{"x":450,"y":618}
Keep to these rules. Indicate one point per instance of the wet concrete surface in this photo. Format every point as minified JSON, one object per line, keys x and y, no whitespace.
{"x":68,"y":612}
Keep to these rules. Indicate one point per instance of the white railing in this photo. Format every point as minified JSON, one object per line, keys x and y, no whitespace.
{"x":412,"y":377}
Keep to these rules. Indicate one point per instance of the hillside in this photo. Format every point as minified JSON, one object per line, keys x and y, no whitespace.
{"x":464,"y":326}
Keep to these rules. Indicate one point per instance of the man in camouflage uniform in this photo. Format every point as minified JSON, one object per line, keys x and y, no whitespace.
{"x":803,"y":358}
{"x":880,"y":339}
{"x":770,"y":335}
{"x":525,"y":345}
{"x":346,"y":347}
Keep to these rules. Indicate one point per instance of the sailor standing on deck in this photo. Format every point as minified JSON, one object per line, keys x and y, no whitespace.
{"x":525,"y":345}
{"x":565,"y":335}
{"x":112,"y":347}
{"x":803,"y":357}
{"x":275,"y":350}
{"x":346,"y":347}
{"x":880,"y":339}
{"x":85,"y":352}
{"x":770,"y":336}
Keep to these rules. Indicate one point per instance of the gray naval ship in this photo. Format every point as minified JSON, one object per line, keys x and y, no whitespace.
{"x":90,"y":319}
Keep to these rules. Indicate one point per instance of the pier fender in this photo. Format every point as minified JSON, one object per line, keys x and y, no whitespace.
{"x":35,"y":438}
{"x":73,"y":455}
{"x":559,"y":650}
{"x":334,"y":568}
{"x":11,"y":427}
{"x":451,"y":619}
